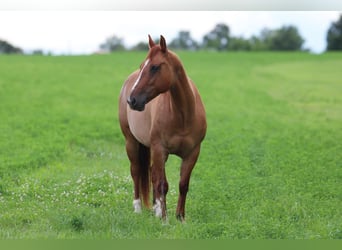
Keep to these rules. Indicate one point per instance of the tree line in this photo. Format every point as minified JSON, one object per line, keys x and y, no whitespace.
{"x":220,"y":39}
{"x":285,"y":38}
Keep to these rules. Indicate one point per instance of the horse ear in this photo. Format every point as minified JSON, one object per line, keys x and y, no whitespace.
{"x":150,"y":42}
{"x":163,"y":44}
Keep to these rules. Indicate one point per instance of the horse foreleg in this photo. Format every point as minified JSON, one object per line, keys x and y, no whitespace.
{"x":132,"y":149}
{"x":159,"y":181}
{"x":187,"y":166}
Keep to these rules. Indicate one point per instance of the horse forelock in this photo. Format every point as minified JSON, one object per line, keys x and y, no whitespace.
{"x":154,"y":51}
{"x":170,"y":56}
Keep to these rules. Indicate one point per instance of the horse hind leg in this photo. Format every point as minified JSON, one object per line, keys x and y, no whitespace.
{"x":186,"y":168}
{"x":140,"y":164}
{"x":132,"y":153}
{"x":144,"y":174}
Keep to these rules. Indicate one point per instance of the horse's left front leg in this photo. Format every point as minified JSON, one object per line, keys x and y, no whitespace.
{"x":159,"y":181}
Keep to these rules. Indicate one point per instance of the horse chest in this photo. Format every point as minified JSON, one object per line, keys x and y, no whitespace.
{"x":177,"y":141}
{"x":176,"y":137}
{"x":181,"y":146}
{"x":140,"y":126}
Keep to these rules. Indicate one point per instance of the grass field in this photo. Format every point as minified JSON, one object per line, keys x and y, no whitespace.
{"x":270,"y":166}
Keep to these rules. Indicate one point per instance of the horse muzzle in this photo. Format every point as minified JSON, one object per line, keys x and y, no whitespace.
{"x":136,"y":103}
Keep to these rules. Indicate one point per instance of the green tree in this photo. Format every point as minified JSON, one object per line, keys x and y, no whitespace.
{"x":38,"y":52}
{"x":286,"y":38}
{"x":7,"y":48}
{"x":265,"y":38}
{"x":113,"y":43}
{"x":218,"y":38}
{"x":239,"y":43}
{"x":257,"y":43}
{"x":184,"y":41}
{"x":334,"y":35}
{"x":141,"y":46}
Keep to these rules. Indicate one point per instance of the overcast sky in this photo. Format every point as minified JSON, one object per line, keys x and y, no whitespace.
{"x":78,"y":32}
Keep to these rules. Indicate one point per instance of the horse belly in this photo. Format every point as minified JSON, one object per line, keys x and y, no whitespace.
{"x":140,"y":126}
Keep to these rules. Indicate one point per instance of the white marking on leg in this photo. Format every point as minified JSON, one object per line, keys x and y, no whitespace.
{"x":137,"y":206}
{"x":158,"y":208}
{"x":140,"y":74}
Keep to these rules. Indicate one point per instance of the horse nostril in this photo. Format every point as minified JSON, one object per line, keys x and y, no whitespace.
{"x":136,"y":103}
{"x":132,"y":101}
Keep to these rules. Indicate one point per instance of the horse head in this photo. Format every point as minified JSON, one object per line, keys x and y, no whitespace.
{"x":155,"y":76}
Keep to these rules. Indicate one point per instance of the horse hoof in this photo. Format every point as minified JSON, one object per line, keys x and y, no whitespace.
{"x":181,"y":218}
{"x":158,"y":209}
{"x":137,"y":206}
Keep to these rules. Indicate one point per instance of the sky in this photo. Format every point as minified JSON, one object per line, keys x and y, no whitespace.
{"x":81,"y":32}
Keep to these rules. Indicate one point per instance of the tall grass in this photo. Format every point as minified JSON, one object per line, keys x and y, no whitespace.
{"x":270,"y":166}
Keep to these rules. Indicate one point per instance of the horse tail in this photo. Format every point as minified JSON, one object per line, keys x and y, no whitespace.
{"x":145,"y":176}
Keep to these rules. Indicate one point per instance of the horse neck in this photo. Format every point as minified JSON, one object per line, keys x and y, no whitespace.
{"x":182,"y":97}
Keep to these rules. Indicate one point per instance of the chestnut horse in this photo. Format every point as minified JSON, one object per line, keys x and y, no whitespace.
{"x":161,"y":113}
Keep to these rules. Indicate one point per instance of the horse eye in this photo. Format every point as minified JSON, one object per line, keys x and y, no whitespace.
{"x":154,"y":68}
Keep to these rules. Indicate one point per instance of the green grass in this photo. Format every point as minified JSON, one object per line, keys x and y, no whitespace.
{"x":270,"y":166}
